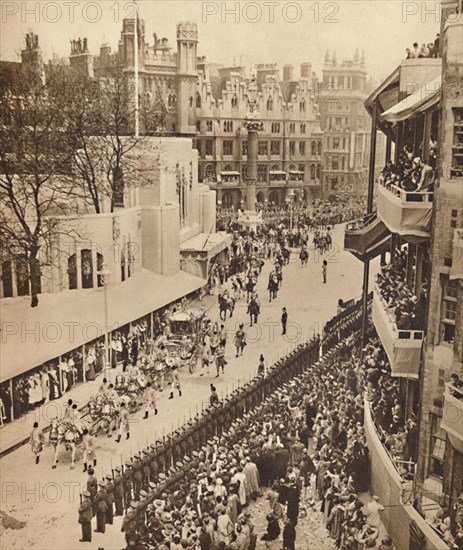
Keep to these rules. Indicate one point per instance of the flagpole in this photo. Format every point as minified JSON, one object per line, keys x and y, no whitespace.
{"x":136,"y":70}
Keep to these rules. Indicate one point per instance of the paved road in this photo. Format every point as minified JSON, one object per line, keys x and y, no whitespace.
{"x":47,"y":500}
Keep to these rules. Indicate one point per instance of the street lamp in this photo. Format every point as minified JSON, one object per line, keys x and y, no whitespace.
{"x":105,"y":273}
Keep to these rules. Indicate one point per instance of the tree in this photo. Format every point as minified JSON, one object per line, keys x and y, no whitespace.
{"x":35,"y":182}
{"x":100,"y":130}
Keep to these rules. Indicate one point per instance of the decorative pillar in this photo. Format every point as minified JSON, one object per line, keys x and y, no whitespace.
{"x":250,"y":220}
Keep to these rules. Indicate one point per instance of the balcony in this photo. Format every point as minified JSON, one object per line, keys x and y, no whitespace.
{"x":367,"y":237}
{"x":230,"y":178}
{"x":407,"y":213}
{"x":403,"y":347}
{"x":277,"y":178}
{"x":452,"y":416}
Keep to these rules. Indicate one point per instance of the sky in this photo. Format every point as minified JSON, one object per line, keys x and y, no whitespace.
{"x":248,"y":32}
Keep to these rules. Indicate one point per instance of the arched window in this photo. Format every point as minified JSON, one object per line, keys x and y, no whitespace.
{"x":269,"y":104}
{"x":234,"y":101}
{"x":198,"y":100}
{"x":302,"y":105}
{"x":313,"y":148}
{"x":319,"y":148}
{"x":318,"y":172}
{"x":22,"y":277}
{"x":7,"y":279}
{"x":209,"y":171}
{"x":72,"y":272}
{"x":86,"y":268}
{"x":191,"y":101}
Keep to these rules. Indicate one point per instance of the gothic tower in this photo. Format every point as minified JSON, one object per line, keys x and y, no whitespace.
{"x":187,"y":75}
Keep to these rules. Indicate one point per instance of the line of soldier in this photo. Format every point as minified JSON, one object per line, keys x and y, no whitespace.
{"x":146,"y":476}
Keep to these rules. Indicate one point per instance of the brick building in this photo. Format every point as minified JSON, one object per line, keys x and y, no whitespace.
{"x":426,"y":225}
{"x":290,"y":140}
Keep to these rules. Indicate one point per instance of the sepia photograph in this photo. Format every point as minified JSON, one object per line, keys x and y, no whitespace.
{"x":231,"y":275}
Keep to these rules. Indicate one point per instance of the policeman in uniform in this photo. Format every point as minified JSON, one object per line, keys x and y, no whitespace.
{"x":85,"y":517}
{"x":109,"y":499}
{"x":118,"y":492}
{"x":100,"y":508}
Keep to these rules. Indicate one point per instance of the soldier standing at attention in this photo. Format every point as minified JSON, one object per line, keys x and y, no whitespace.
{"x":109,"y":499}
{"x":118,"y":492}
{"x":85,"y":518}
{"x":92,"y":487}
{"x":100,"y":508}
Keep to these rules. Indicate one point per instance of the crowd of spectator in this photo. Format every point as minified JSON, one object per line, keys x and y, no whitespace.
{"x":407,"y":308}
{"x":425,"y":50}
{"x":411,"y":173}
{"x":302,"y":447}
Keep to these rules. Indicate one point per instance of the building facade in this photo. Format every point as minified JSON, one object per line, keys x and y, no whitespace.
{"x":422,"y":224}
{"x":345,"y":124}
{"x":290,"y":139}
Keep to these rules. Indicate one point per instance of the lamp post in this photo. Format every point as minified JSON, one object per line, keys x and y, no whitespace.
{"x":105,"y":274}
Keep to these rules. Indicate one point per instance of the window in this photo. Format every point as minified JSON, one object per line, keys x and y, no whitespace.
{"x":301,"y":169}
{"x":335,"y":163}
{"x":312,"y":171}
{"x":319,"y":148}
{"x":208,"y":125}
{"x":449,"y":311}
{"x":262,"y":173}
{"x":344,"y":143}
{"x":209,"y":147}
{"x":209,"y":172}
{"x":292,"y":128}
{"x":228,"y":126}
{"x":437,"y":446}
{"x":456,"y":170}
{"x":318,"y":172}
{"x":244,"y":148}
{"x":234,"y":101}
{"x":263,"y":148}
{"x":292,"y":147}
{"x":302,"y":128}
{"x":313,"y":148}
{"x":198,"y":100}
{"x":302,"y":147}
{"x":302,"y":105}
{"x":228,"y":147}
{"x":274,"y":147}
{"x":244,"y":171}
{"x":335,"y":143}
{"x":275,"y":128}
{"x":269,"y":104}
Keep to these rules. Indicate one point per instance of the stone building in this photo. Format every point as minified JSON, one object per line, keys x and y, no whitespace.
{"x":290,"y":139}
{"x":346,"y":125}
{"x":424,"y":224}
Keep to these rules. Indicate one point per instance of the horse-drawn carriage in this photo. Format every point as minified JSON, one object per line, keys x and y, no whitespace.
{"x":186,"y":327}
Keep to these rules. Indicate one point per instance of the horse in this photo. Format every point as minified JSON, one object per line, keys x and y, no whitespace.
{"x":272,"y":287}
{"x":63,"y":431}
{"x":226,"y":303}
{"x":253,"y":310}
{"x":304,"y":256}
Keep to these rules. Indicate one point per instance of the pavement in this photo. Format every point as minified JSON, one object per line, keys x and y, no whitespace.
{"x":38,"y":507}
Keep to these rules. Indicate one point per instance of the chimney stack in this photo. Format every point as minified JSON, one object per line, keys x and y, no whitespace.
{"x":288,"y":73}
